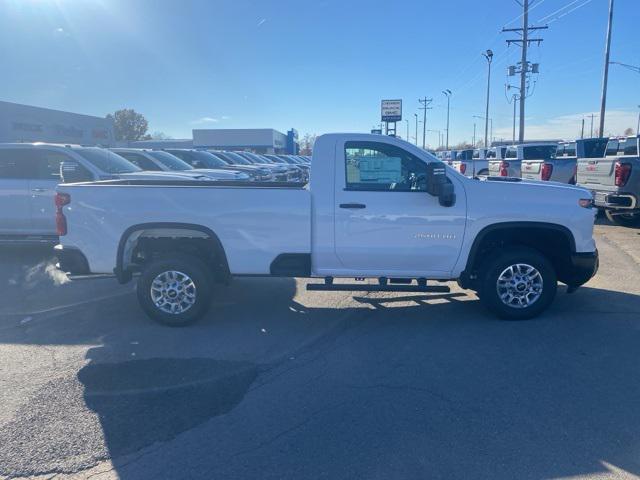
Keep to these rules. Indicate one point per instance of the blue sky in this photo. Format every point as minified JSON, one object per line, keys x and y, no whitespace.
{"x":317,"y":66}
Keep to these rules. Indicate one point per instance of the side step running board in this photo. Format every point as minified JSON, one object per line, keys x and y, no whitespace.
{"x":352,"y":287}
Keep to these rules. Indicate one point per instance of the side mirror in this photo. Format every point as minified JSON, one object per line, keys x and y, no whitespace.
{"x":438,"y":185}
{"x":72,"y":172}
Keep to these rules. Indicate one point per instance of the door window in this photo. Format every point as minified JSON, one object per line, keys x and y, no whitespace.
{"x":16,"y":163}
{"x":48,"y":164}
{"x":373,"y":166}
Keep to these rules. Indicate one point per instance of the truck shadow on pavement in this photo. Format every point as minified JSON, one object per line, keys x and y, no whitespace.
{"x":471,"y":396}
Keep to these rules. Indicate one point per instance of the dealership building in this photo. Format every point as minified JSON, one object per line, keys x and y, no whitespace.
{"x":24,"y":123}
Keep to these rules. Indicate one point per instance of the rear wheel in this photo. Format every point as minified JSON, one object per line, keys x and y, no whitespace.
{"x":175,"y":290}
{"x":517,"y":284}
{"x":631,"y":219}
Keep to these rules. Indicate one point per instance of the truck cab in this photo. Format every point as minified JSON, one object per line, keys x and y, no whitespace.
{"x":472,"y":163}
{"x":511,"y":165}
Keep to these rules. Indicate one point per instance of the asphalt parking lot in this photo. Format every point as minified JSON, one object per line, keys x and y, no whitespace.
{"x":282,"y":383}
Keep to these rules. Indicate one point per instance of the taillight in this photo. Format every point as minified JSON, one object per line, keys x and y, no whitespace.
{"x":61,"y":199}
{"x":463,"y":168}
{"x":547,"y":170}
{"x":622,"y":174}
{"x":504,"y":169}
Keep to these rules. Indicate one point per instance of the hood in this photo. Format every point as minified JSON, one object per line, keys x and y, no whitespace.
{"x":220,"y":174}
{"x":178,"y":175}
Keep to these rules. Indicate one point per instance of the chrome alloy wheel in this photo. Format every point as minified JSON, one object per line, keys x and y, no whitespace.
{"x":519,"y":285}
{"x":173,"y":292}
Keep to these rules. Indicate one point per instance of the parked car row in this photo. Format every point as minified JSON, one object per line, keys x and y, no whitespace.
{"x":30,"y":172}
{"x":608,"y":167}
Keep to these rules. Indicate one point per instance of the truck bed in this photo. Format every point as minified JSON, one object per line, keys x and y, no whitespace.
{"x":256,"y":223}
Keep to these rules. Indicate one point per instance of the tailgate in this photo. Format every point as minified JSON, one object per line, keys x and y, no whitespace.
{"x":595,"y":172}
{"x":532,"y":169}
{"x":494,"y":168}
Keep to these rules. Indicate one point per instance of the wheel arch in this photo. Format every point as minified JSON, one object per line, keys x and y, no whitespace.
{"x":130,"y":238}
{"x":553,"y":240}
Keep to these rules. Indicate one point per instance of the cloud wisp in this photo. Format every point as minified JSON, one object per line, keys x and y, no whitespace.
{"x":569,"y":126}
{"x":204,"y":120}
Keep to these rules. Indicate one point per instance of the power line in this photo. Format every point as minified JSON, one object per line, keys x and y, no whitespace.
{"x":570,"y":11}
{"x":558,"y":10}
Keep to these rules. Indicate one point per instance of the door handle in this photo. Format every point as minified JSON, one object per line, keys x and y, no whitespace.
{"x":353,"y":205}
{"x":39,"y":190}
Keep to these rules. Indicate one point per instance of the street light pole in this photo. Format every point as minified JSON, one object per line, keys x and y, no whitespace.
{"x":447,"y":93}
{"x":489,"y":56}
{"x":416,"y":115}
{"x":474,"y":134}
{"x":407,"y":120}
{"x":638,"y":127}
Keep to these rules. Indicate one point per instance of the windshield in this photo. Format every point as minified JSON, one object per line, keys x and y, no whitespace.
{"x":223,"y":161}
{"x":106,"y":161}
{"x":170,"y":161}
{"x":236,"y":158}
{"x":211,"y":161}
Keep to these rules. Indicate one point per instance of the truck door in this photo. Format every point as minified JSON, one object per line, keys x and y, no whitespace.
{"x":15,"y":170}
{"x":42,"y":187}
{"x":385,"y":222}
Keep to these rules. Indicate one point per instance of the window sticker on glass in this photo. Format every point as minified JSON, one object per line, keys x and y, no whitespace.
{"x":379,"y":169}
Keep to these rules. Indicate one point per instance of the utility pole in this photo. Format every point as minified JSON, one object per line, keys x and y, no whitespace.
{"x":489,"y":56}
{"x":605,"y":75}
{"x":447,"y":93}
{"x":513,"y":136}
{"x":406,"y":120}
{"x":638,"y":127}
{"x":582,"y":129}
{"x":591,"y":135}
{"x":416,"y":115}
{"x":524,"y":67}
{"x":474,"y":134}
{"x":425,"y":102}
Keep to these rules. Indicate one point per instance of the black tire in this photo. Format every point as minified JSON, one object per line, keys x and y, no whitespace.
{"x":492,"y":270}
{"x":631,"y":219}
{"x":196,"y":293}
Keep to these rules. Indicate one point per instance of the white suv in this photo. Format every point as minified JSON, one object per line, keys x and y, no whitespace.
{"x":29,"y":174}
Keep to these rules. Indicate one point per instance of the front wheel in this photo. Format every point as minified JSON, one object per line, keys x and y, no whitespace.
{"x":517,"y":284}
{"x":631,"y":219}
{"x":175,"y":290}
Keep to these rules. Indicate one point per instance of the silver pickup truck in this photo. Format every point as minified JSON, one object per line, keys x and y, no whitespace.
{"x":614,"y":180}
{"x":471,"y":163}
{"x":563,"y":167}
{"x":511,"y":165}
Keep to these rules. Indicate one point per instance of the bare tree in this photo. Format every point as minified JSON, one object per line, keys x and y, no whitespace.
{"x":306,"y":144}
{"x":628,"y":131}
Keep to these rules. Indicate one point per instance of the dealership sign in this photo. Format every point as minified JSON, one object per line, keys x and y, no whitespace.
{"x":391,"y":110}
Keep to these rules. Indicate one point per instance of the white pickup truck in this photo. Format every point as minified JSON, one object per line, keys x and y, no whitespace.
{"x":376,"y":207}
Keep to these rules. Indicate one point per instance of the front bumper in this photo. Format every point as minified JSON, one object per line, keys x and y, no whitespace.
{"x":71,"y":260}
{"x":583,"y":266}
